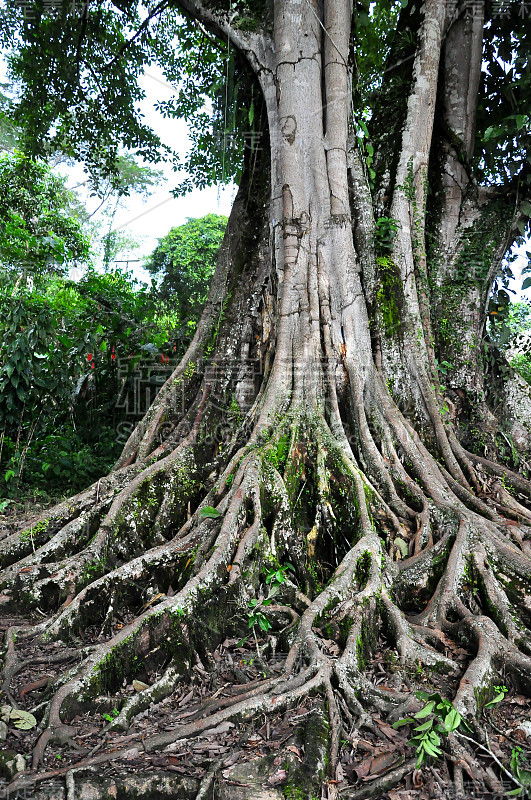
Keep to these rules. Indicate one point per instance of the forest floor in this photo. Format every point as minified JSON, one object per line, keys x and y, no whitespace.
{"x":234,"y":761}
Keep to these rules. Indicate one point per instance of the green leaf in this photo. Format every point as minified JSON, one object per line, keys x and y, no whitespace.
{"x":525,"y":777}
{"x":497,"y":699}
{"x":401,"y":722}
{"x":208,"y":512}
{"x":452,"y":720}
{"x":402,"y":546}
{"x":264,"y":623}
{"x":23,"y":720}
{"x":103,"y":346}
{"x":515,"y":792}
{"x":430,"y":748}
{"x":425,"y":726}
{"x":428,"y":709}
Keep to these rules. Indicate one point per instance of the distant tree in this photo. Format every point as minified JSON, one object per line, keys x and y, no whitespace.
{"x":184,"y":261}
{"x":39,"y":229}
{"x":129,"y":178}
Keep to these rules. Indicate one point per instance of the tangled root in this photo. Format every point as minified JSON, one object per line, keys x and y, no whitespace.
{"x":411,"y":561}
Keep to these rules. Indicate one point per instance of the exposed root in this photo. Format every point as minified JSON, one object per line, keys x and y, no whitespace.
{"x":463,"y":577}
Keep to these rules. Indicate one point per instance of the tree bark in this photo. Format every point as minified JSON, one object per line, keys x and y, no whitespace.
{"x":308,"y":413}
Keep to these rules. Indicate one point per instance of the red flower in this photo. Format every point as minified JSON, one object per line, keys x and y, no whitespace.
{"x":113,"y":355}
{"x":89,"y":356}
{"x":93,"y":365}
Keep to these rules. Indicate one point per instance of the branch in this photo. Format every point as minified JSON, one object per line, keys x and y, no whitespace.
{"x":256,"y":47}
{"x":84,"y":20}
{"x":159,"y":8}
{"x":491,"y":754}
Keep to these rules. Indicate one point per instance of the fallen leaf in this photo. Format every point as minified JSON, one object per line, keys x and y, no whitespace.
{"x":518,"y":700}
{"x":139,"y":686}
{"x":402,"y":546}
{"x":388,"y":731}
{"x":223,"y":728}
{"x":278,"y":777}
{"x":186,"y":698}
{"x":294,"y":750}
{"x":22,"y":720}
{"x":382,"y":762}
{"x":418,"y":780}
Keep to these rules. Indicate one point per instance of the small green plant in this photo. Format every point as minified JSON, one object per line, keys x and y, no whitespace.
{"x":208,"y":512}
{"x":523,"y":776}
{"x":501,"y":691}
{"x":385,"y":229}
{"x":277,"y":576}
{"x":437,"y":718}
{"x":257,"y":617}
{"x":109,"y":717}
{"x":444,"y":366}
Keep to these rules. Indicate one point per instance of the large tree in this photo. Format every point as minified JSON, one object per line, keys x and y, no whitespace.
{"x":306,"y":423}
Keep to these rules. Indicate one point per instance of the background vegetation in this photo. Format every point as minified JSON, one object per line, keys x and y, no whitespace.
{"x":80,"y":361}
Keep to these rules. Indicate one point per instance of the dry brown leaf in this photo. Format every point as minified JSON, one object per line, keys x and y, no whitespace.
{"x":139,"y":686}
{"x":294,"y":750}
{"x":278,"y":777}
{"x":388,"y":731}
{"x":418,"y":780}
{"x":381,"y":763}
{"x":186,"y":698}
{"x":518,"y":700}
{"x":362,"y":768}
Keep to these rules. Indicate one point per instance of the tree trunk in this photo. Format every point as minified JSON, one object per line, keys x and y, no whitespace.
{"x":308,"y":413}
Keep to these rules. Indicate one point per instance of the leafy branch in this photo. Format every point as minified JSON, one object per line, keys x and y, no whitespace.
{"x":440,"y":718}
